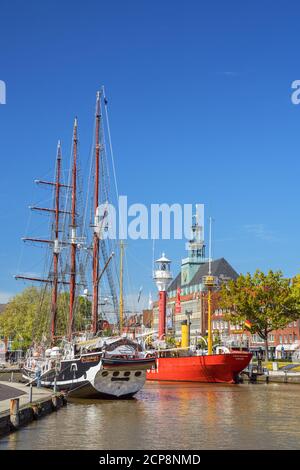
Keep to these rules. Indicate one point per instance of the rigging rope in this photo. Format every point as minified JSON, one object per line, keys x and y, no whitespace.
{"x":110,"y":143}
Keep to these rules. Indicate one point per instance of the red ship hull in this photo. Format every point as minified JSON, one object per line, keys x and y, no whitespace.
{"x":216,"y":368}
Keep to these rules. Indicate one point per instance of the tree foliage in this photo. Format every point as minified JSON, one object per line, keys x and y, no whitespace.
{"x":27,"y":316}
{"x":269,"y":301}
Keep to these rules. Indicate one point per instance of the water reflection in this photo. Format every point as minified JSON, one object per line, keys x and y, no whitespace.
{"x":183,"y":416}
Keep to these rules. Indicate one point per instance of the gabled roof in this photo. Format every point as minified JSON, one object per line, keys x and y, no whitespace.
{"x":175,"y":283}
{"x":220,"y":268}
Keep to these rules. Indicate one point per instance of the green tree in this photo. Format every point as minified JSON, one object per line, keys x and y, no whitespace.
{"x":269,"y":301}
{"x":202,"y":342}
{"x":27,"y":316}
{"x":17,"y":321}
{"x":82,"y":314}
{"x":170,"y":341}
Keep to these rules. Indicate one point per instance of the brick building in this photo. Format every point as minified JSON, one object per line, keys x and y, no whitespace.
{"x":193,"y":299}
{"x":283,"y":344}
{"x":189,"y":281}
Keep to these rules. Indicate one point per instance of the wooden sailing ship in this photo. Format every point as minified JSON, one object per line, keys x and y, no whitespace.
{"x":86,"y":364}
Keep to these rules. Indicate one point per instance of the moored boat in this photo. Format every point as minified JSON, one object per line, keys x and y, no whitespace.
{"x":112,"y":368}
{"x":215,"y":368}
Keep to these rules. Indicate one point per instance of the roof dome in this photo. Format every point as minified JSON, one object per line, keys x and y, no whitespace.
{"x":163,"y":259}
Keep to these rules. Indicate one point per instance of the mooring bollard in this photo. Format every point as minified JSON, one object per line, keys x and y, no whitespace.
{"x":267,"y":376}
{"x":54,"y":402}
{"x":38,"y":377}
{"x":14,"y":412}
{"x":55,"y":386}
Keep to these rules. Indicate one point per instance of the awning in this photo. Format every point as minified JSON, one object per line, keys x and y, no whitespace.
{"x":288,"y":347}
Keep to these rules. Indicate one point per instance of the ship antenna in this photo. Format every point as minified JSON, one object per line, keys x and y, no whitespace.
{"x":96,"y":203}
{"x":209,"y":248}
{"x":73,"y":231}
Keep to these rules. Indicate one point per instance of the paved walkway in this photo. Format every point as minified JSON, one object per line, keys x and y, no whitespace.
{"x":17,"y":390}
{"x":7,"y":392}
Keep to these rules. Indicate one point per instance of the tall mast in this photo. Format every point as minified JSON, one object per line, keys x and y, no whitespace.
{"x":121,"y":286}
{"x":73,"y":232}
{"x":56,"y":244}
{"x":209,"y":282}
{"x":96,"y":204}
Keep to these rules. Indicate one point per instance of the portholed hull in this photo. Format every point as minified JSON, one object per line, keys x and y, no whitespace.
{"x":215,"y":368}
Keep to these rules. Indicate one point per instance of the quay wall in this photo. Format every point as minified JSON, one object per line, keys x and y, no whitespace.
{"x":282,"y":378}
{"x":11,"y":421}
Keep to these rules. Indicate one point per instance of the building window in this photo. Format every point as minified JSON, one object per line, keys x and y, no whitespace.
{"x":291,"y":338}
{"x":280,"y":339}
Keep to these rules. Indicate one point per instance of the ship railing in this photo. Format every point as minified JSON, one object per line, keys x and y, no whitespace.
{"x":173,"y":349}
{"x":162,"y":352}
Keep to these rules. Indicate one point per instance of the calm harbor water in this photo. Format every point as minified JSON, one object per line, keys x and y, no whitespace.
{"x":173,"y":416}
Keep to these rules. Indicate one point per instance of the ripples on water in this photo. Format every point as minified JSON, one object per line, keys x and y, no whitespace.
{"x":173,"y":416}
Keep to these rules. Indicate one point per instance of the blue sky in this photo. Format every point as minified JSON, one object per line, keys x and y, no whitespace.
{"x":200,"y":109}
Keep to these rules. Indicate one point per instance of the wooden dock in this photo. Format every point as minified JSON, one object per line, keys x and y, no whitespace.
{"x":20,"y":404}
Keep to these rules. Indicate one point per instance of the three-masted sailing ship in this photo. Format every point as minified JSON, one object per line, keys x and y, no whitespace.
{"x":89,"y":363}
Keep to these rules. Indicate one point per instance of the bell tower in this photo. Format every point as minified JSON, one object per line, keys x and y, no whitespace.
{"x":196,"y":252}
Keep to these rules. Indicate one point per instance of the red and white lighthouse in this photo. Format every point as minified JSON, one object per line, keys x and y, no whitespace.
{"x":162,"y":277}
